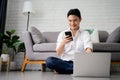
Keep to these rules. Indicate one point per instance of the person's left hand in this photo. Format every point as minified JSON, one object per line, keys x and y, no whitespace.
{"x":88,"y":50}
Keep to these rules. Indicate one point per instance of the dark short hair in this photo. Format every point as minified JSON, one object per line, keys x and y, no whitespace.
{"x":74,"y":12}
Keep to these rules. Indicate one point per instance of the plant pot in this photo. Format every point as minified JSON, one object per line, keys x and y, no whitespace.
{"x":4,"y":57}
{"x":12,"y":65}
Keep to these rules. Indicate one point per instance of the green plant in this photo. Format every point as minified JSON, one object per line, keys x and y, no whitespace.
{"x":90,"y":30}
{"x":1,"y":38}
{"x":5,"y":51}
{"x":12,"y":41}
{"x":1,"y":41}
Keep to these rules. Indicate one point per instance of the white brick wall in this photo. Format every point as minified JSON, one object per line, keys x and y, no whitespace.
{"x":51,"y":14}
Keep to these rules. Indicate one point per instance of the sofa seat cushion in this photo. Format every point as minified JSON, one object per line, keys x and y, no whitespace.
{"x":44,"y":47}
{"x":106,"y":47}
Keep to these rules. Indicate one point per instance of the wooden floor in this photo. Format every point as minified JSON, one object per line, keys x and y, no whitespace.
{"x":39,"y":75}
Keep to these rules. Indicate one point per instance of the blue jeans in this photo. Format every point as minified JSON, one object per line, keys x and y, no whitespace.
{"x":59,"y":65}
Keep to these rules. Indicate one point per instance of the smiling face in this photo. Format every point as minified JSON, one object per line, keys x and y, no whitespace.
{"x":74,"y":22}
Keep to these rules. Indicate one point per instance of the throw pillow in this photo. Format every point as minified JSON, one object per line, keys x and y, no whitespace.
{"x":36,"y":35}
{"x":114,"y":36}
{"x":94,"y":35}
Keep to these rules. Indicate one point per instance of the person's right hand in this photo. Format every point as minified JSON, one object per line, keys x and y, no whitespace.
{"x":67,"y":39}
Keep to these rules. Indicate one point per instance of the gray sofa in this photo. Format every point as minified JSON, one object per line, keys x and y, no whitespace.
{"x":39,"y":52}
{"x":103,"y":46}
{"x":42,"y":50}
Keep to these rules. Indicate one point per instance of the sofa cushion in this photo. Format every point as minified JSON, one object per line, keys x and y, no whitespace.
{"x":106,"y":47}
{"x":44,"y":47}
{"x":103,"y":35}
{"x":51,"y":37}
{"x":114,"y":36}
{"x":36,"y":35}
{"x":94,"y":35}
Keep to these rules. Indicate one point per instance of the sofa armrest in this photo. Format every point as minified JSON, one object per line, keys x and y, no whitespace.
{"x":28,"y":42}
{"x":106,"y":47}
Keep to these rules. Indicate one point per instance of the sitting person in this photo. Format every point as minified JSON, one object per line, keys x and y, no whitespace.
{"x":66,"y":44}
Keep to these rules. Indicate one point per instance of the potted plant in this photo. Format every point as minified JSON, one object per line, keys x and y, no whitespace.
{"x":4,"y":51}
{"x":12,"y":43}
{"x":5,"y":55}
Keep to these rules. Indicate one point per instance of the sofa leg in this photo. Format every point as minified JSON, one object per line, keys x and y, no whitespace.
{"x":27,"y":61}
{"x":43,"y":67}
{"x":24,"y":64}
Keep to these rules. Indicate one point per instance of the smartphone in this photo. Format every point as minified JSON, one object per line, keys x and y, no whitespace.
{"x":68,"y":33}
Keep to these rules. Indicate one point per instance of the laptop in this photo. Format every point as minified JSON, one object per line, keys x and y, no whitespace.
{"x":95,"y":64}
